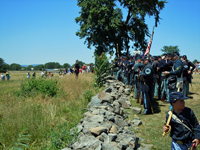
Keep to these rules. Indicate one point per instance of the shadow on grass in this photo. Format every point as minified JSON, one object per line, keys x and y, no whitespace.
{"x":190,"y":93}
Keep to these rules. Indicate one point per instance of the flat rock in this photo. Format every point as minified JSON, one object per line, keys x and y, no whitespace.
{"x":120,"y":122}
{"x":124,"y":104}
{"x":137,"y":122}
{"x":96,"y":118}
{"x":105,"y":97}
{"x":98,"y":130}
{"x":136,"y":110}
{"x":113,"y":129}
{"x":109,"y":146}
{"x":95,"y":101}
{"x":87,"y":142}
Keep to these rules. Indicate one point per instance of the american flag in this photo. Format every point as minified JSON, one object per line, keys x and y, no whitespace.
{"x":149,"y":45}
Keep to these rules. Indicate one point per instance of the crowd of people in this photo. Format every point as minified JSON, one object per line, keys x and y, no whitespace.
{"x":155,"y":76}
{"x":166,"y":77}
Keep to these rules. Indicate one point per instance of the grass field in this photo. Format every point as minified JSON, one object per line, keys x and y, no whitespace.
{"x":49,"y":119}
{"x":151,"y":130}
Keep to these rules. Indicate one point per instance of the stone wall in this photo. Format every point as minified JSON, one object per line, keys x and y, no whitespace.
{"x":104,"y":126}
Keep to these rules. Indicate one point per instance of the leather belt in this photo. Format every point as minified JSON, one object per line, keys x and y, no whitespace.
{"x":182,"y":142}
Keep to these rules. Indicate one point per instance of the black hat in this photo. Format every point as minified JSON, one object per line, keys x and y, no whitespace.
{"x":155,"y":57}
{"x":159,"y":56}
{"x":174,"y":96}
{"x":184,"y":56}
{"x":147,"y":58}
{"x":169,"y":55}
{"x":176,"y":54}
{"x":164,"y":55}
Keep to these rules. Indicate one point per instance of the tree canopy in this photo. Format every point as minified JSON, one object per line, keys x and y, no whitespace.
{"x":52,"y":65}
{"x":170,"y":49}
{"x":66,"y":65}
{"x":102,"y":24}
{"x":15,"y":66}
{"x":3,"y":66}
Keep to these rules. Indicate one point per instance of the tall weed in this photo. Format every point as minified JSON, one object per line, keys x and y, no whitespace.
{"x":39,"y":86}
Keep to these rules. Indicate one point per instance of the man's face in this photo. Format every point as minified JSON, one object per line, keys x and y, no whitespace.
{"x":179,"y":104}
{"x":146,"y":61}
{"x":175,"y":57}
{"x":169,"y":58}
{"x":139,"y":60}
{"x":182,"y":59}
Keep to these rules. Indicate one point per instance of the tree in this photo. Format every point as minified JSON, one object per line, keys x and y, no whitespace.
{"x":66,"y":65}
{"x":39,"y":67}
{"x":52,"y":65}
{"x":194,"y":62}
{"x":3,"y":66}
{"x":170,"y":49}
{"x":103,"y":26}
{"x":15,"y":66}
{"x":29,"y":67}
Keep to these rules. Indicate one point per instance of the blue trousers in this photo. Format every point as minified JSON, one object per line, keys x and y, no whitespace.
{"x":185,"y":88}
{"x":125,"y":80}
{"x":176,"y":146}
{"x":131,"y":79}
{"x":135,"y":87}
{"x":120,"y":73}
{"x":166,"y":90}
{"x":156,"y":89}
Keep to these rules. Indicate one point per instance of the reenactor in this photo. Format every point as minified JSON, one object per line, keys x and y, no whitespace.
{"x":130,"y":69}
{"x":126,"y":70}
{"x":115,"y":66}
{"x":147,"y":77}
{"x":188,"y":67}
{"x":137,"y":68}
{"x":191,"y":68}
{"x":174,"y":79}
{"x":168,"y":67}
{"x":155,"y":66}
{"x":119,"y":73}
{"x":184,"y":126}
{"x":161,"y":70}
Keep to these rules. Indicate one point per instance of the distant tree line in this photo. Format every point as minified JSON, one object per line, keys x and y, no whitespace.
{"x":50,"y":65}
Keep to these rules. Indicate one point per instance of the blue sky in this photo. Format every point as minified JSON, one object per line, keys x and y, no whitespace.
{"x":40,"y":31}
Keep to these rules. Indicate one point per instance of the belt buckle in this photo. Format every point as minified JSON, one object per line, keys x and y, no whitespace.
{"x":179,"y":142}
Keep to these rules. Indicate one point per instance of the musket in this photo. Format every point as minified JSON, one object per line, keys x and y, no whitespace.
{"x":117,"y":50}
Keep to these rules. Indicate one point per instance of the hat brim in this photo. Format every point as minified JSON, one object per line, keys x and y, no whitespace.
{"x":182,"y":98}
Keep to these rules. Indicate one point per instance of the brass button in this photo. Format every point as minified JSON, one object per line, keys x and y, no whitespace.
{"x":185,"y":134}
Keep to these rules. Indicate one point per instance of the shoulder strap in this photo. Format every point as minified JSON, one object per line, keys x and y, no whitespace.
{"x":180,"y":122}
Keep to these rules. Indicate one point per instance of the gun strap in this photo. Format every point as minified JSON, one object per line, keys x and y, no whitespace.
{"x":180,"y":122}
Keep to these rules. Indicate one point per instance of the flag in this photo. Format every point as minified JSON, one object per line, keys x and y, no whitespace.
{"x":149,"y":45}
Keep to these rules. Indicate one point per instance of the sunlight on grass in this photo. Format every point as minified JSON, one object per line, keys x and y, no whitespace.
{"x":41,"y":115}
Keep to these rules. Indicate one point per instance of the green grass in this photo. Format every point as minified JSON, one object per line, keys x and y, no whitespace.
{"x":48,"y":119}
